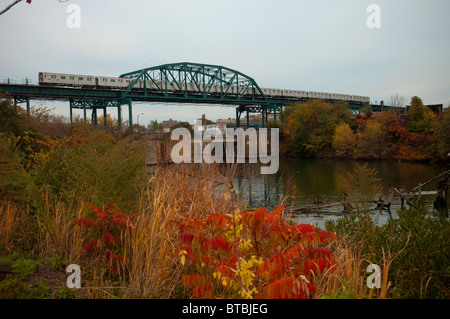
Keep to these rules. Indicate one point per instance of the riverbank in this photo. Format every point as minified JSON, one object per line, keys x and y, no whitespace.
{"x":80,"y":195}
{"x":318,"y":129}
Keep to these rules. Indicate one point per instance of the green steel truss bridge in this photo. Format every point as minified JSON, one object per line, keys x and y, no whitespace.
{"x":168,"y":83}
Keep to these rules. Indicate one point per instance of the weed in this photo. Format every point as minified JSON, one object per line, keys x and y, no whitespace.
{"x":24,"y":268}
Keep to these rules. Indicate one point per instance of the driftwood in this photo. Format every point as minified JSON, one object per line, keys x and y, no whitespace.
{"x":316,"y":207}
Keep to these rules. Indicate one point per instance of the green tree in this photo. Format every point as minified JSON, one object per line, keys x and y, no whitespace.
{"x":311,"y":126}
{"x":206,"y":121}
{"x":420,"y":118}
{"x":13,"y":120}
{"x":182,"y":125}
{"x":154,"y":126}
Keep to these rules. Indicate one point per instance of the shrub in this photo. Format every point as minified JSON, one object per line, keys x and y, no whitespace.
{"x":106,"y":230}
{"x":251,"y":254}
{"x":421,"y":269}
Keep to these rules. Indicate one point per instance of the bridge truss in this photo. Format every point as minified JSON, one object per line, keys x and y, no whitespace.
{"x":169,"y":83}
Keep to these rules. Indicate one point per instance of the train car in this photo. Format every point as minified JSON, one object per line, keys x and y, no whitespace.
{"x":76,"y":80}
{"x":61,"y":79}
{"x":116,"y":83}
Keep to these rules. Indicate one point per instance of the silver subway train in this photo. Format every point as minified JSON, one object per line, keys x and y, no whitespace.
{"x":76,"y":80}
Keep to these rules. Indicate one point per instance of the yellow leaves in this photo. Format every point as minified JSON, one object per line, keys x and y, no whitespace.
{"x":235,"y":231}
{"x":225,"y":281}
{"x":248,"y":294}
{"x":247,"y":276}
{"x":182,"y":255}
{"x":245,"y":245}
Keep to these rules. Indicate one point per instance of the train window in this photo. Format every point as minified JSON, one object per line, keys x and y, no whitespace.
{"x":63,"y":77}
{"x":53,"y":76}
{"x":72,"y":77}
{"x":80,"y":79}
{"x":113,"y":81}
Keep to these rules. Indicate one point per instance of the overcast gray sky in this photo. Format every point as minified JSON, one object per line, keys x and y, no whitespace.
{"x":322,"y":45}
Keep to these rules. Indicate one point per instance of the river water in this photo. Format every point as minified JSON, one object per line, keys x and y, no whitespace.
{"x":299,"y":182}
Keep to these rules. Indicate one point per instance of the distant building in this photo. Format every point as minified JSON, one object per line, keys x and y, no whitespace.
{"x":436,"y":108}
{"x":167,"y":125}
{"x":225,"y":121}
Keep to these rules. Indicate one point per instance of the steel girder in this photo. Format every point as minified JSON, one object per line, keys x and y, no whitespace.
{"x":95,"y":104}
{"x":193,"y":82}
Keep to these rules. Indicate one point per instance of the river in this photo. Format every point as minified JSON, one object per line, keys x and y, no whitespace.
{"x":307,"y":180}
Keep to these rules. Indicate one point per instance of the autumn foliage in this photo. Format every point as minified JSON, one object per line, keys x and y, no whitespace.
{"x":106,"y":229}
{"x":320,"y":129}
{"x":251,"y":254}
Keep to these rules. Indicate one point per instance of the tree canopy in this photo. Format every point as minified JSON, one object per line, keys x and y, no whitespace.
{"x":420,"y":118}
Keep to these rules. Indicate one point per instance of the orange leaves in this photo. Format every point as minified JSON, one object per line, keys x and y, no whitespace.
{"x":191,"y":281}
{"x":274,"y":267}
{"x":287,"y":288}
{"x":217,"y":243}
{"x":201,"y":285}
{"x":219,"y":220}
{"x":275,"y":260}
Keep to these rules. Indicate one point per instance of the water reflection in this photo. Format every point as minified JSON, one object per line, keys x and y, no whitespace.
{"x":300,"y":182}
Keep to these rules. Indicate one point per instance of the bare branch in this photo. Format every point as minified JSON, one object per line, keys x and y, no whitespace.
{"x":397,"y":100}
{"x":10,"y":6}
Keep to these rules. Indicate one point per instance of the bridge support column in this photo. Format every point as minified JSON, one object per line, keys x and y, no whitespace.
{"x":130,"y":112}
{"x":26,"y":100}
{"x":84,"y":110}
{"x":264,"y":115}
{"x":94,"y":116}
{"x":119,"y":115}
{"x":248,"y":118}
{"x":238,"y":117}
{"x":71,"y":111}
{"x":28,"y":105}
{"x":105,"y":117}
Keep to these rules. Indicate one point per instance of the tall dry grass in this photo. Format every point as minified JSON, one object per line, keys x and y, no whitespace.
{"x":345,"y":276}
{"x":172,"y":193}
{"x":12,"y":224}
{"x":348,"y":278}
{"x":150,"y":270}
{"x":58,"y":234}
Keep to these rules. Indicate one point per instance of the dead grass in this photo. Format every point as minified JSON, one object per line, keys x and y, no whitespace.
{"x":12,"y":223}
{"x":182,"y":191}
{"x":150,"y":270}
{"x":348,"y":278}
